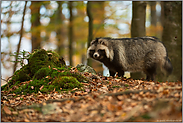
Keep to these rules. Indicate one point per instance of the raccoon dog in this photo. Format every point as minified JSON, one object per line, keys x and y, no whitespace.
{"x":131,"y":54}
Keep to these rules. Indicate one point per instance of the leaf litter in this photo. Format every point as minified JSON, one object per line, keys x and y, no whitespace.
{"x":103,"y":99}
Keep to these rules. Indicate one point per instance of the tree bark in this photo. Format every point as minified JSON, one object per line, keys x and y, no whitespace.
{"x":138,"y":19}
{"x":70,"y":33}
{"x":90,"y":28}
{"x":20,"y":40}
{"x":59,"y":31}
{"x":35,"y":21}
{"x":153,"y":13}
{"x":138,"y":28}
{"x":172,"y":36}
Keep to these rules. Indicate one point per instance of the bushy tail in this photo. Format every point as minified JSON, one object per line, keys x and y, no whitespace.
{"x":168,"y":66}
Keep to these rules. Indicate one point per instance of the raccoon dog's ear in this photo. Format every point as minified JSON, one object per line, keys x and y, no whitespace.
{"x":92,"y":42}
{"x":103,"y":42}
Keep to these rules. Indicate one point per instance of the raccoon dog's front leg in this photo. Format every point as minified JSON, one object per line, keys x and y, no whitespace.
{"x":111,"y":73}
{"x":121,"y":73}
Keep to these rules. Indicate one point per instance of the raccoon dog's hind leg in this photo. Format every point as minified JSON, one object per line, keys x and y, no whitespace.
{"x":150,"y":66}
{"x":151,"y":72}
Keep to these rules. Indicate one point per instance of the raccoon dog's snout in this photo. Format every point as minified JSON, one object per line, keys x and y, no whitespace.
{"x":96,"y":55}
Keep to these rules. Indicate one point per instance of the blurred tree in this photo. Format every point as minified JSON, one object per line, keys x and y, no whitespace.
{"x":90,"y":27}
{"x":172,"y":36}
{"x":80,"y":32}
{"x":59,"y":22}
{"x":20,"y":39}
{"x":70,"y":4}
{"x":138,"y":19}
{"x":153,"y":13}
{"x":155,"y":28}
{"x":138,"y":28}
{"x":35,"y":23}
{"x":98,"y":14}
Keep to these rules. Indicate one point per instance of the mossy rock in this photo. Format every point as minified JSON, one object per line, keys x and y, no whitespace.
{"x":66,"y":82}
{"x":85,"y":68}
{"x":42,"y":58}
{"x":20,"y":75}
{"x":47,"y":72}
{"x":39,"y":59}
{"x":41,"y":73}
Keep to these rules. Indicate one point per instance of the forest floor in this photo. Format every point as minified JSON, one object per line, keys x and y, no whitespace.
{"x":104,"y":99}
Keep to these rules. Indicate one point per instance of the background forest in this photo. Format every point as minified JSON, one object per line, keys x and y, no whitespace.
{"x":67,"y":28}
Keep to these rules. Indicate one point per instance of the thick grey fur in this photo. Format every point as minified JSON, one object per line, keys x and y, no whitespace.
{"x":131,"y":54}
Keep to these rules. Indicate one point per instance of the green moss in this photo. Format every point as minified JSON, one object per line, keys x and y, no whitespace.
{"x":116,"y":86}
{"x":47,"y":71}
{"x":126,"y":85}
{"x":146,"y":116}
{"x":42,"y":58}
{"x":43,"y":72}
{"x":66,"y":82}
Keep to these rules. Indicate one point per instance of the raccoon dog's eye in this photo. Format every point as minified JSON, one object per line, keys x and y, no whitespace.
{"x":92,"y":51}
{"x":101,"y":51}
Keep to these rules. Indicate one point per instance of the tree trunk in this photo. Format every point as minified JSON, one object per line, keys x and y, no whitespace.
{"x":90,"y":28}
{"x":138,"y":28}
{"x":59,"y":29}
{"x":153,"y":13}
{"x":172,"y":36}
{"x":97,"y":10}
{"x":70,"y":33}
{"x":20,"y":40}
{"x":35,"y":21}
{"x":138,"y":19}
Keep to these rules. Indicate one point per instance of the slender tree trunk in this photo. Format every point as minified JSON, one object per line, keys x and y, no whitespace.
{"x":153,"y":13}
{"x":97,"y":9}
{"x":59,"y":31}
{"x":138,"y":19}
{"x":70,"y":33}
{"x":172,"y":36}
{"x":162,"y":13}
{"x":35,"y":21}
{"x":90,"y":27}
{"x":138,"y":28}
{"x":20,"y":40}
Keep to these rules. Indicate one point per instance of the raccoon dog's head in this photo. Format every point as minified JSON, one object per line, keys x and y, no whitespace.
{"x":99,"y":49}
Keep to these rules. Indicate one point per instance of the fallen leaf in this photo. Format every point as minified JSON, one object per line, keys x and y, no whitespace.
{"x":41,"y":87}
{"x":6,"y":110}
{"x":176,"y":95}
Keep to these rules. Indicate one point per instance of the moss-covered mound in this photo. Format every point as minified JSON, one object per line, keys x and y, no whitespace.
{"x":45,"y":72}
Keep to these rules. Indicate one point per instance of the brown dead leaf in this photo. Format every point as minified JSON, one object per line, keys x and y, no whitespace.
{"x":176,"y":95}
{"x":6,"y":110}
{"x":14,"y":112}
{"x":111,"y":107}
{"x":41,"y":87}
{"x":17,"y":99}
{"x":40,"y":96}
{"x":32,"y":87}
{"x":133,"y":104}
{"x":120,"y":97}
{"x":165,"y":92}
{"x":85,"y":83}
{"x":12,"y":101}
